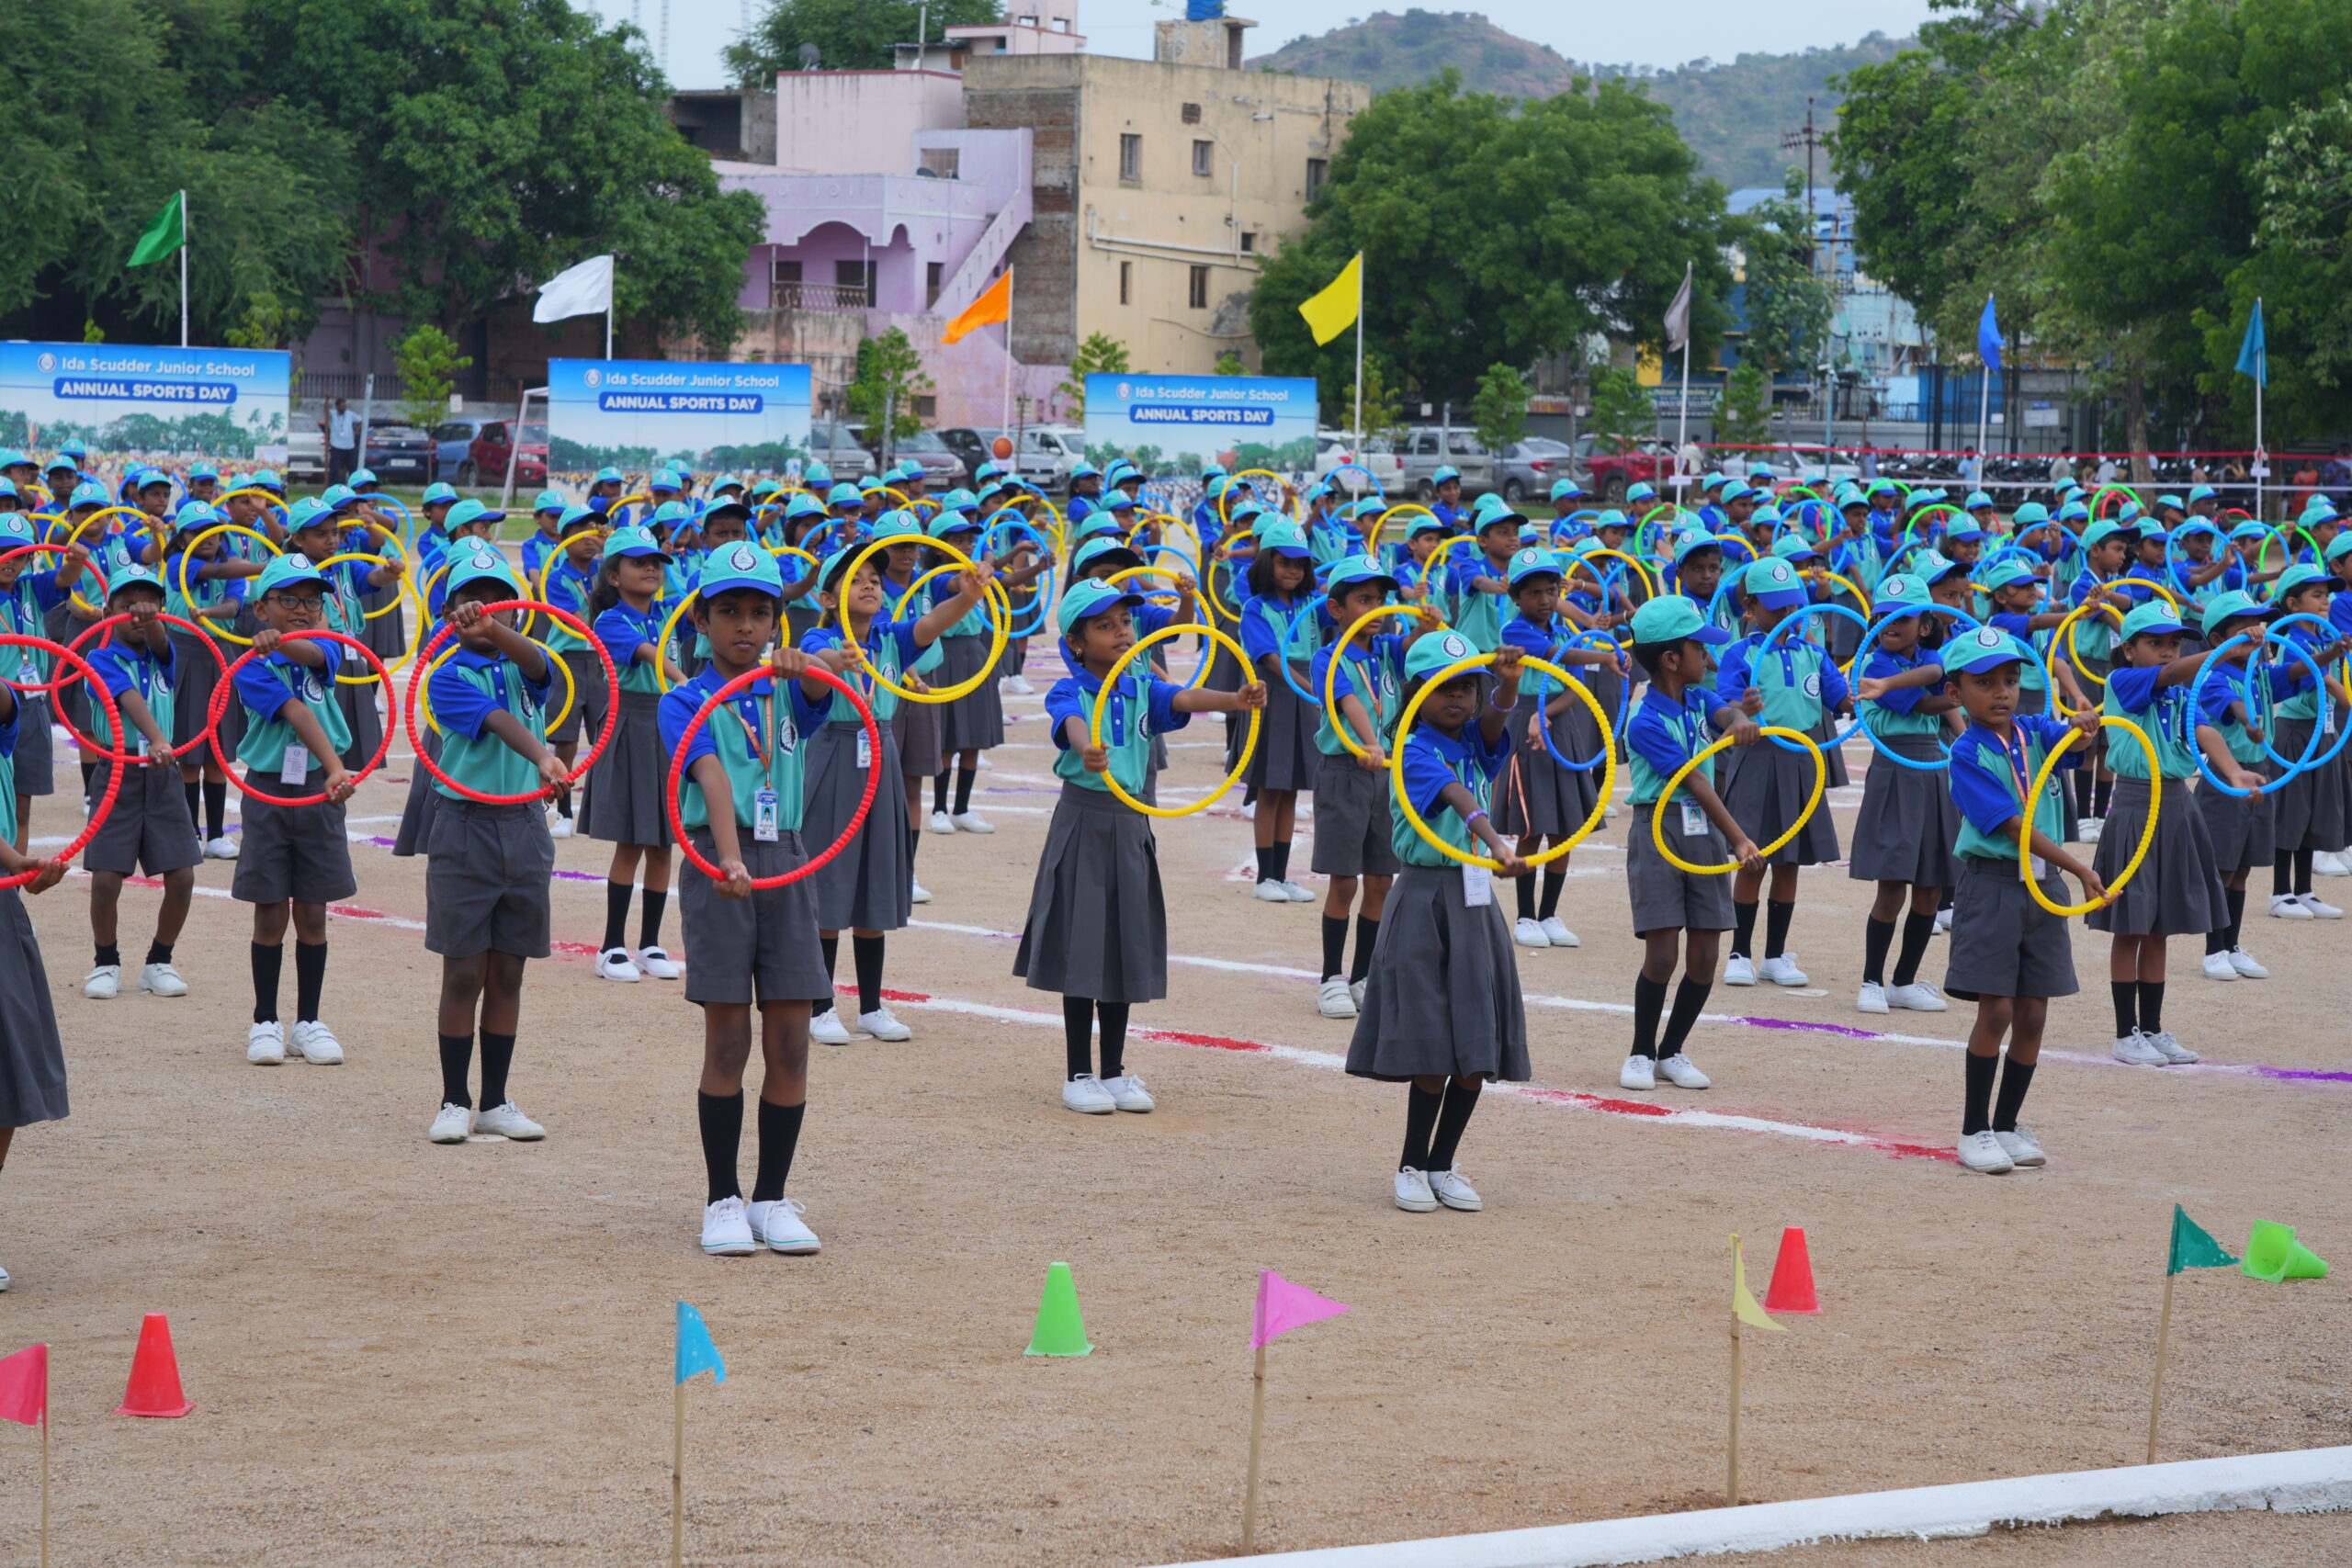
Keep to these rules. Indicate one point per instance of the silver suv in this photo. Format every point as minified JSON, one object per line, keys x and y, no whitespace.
{"x":1429,"y":449}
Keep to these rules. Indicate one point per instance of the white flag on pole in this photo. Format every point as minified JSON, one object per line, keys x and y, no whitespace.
{"x":1678,"y":315}
{"x":582,"y":290}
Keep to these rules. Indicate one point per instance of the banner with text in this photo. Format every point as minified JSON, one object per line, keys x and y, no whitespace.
{"x":1176,"y":423}
{"x":639,"y":413}
{"x":140,"y":400}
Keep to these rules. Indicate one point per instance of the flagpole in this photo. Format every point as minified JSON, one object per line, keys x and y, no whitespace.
{"x":183,"y":238}
{"x":2156,"y":1395}
{"x":1008,"y":366}
{"x":44,"y":1475}
{"x":1682,"y":411}
{"x":1360,"y":451}
{"x":1257,"y":1433}
{"x":2261,"y":460}
{"x":1984,"y":414}
{"x":612,"y":288}
{"x":678,"y":1481}
{"x":1731,"y":1462}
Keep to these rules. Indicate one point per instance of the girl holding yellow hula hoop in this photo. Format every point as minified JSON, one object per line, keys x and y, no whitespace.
{"x":567,"y":579}
{"x":204,"y":595}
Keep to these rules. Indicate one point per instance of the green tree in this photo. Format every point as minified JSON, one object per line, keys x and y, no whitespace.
{"x":1498,"y":411}
{"x":850,"y":35}
{"x":1383,"y":412}
{"x":1744,"y":411}
{"x":1788,"y":304}
{"x":1100,"y":355}
{"x":889,"y":374}
{"x":1496,"y":232}
{"x":1622,"y":409}
{"x":428,"y":363}
{"x":1230,"y":364}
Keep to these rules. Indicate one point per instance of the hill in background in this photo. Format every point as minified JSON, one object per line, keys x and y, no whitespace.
{"x":1733,"y":113}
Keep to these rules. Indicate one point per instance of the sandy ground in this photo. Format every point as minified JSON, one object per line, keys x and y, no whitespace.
{"x":400,"y":1351}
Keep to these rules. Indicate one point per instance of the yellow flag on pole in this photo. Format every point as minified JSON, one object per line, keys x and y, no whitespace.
{"x":1743,"y":1304}
{"x":1335,"y":309}
{"x":995,"y":305}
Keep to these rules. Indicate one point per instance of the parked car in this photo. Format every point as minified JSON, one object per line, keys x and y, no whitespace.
{"x":399,"y":452}
{"x":486,"y":459}
{"x":972,"y":447}
{"x":1334,"y":447}
{"x":1047,"y":454}
{"x":306,"y":454}
{"x":942,"y":468}
{"x":835,"y":445}
{"x":1607,"y":472}
{"x":453,"y":444}
{"x":1431,"y":448}
{"x":1530,"y":466}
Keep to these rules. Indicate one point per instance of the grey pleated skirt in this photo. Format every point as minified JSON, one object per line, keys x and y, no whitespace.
{"x":74,"y":701}
{"x":1286,"y":756}
{"x":1769,"y":786}
{"x":628,"y":785}
{"x":1098,"y":922}
{"x":869,"y":885}
{"x":2177,"y":891}
{"x":585,"y":719}
{"x":32,"y":1059}
{"x":974,"y":721}
{"x":1664,"y":895}
{"x":2239,"y":826}
{"x":1353,"y":832}
{"x":2314,"y":810}
{"x":1907,"y":825}
{"x":1536,"y":794}
{"x":37,"y":748}
{"x":415,"y":832}
{"x":197,"y":664}
{"x":1444,"y":992}
{"x":916,"y":729}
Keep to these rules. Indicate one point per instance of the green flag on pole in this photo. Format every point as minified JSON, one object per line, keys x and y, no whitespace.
{"x":167,"y":233}
{"x":2191,"y":1247}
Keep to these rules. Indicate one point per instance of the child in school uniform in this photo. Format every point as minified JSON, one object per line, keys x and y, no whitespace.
{"x":2237,"y":701}
{"x":1283,"y":767}
{"x":568,"y":581}
{"x":32,"y":1059}
{"x":215,"y":578}
{"x":1904,"y":829}
{"x":623,"y":805}
{"x":2312,"y":811}
{"x":1442,"y":1011}
{"x":1097,"y":926}
{"x":314,"y":530}
{"x":30,"y":590}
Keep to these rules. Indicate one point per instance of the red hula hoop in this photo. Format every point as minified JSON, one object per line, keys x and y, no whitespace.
{"x":611,"y":705}
{"x":228,"y":688}
{"x":56,"y":683}
{"x":856,"y":817}
{"x":89,"y":745}
{"x":114,"y":775}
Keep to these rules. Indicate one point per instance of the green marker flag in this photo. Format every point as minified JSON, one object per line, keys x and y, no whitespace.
{"x":167,"y":233}
{"x":2191,"y":1247}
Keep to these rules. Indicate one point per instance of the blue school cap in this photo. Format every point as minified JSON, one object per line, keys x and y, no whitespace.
{"x":803,"y":506}
{"x":437,"y":492}
{"x":1693,"y":542}
{"x":1611,"y":518}
{"x":843,"y":494}
{"x":2339,"y":547}
{"x":89,"y":492}
{"x":469,"y":510}
{"x":1084,"y":471}
{"x":897,"y":524}
{"x":1089,"y":599}
{"x":1645,"y":491}
{"x":576,"y":512}
{"x":1734,"y":491}
{"x":2250,"y":530}
{"x":2203,"y":492}
{"x":131,"y":574}
{"x":2297,"y":576}
{"x":1091,"y":552}
{"x":338,"y":495}
{"x":1884,"y":487}
{"x":609,"y":476}
{"x":2075,"y":512}
{"x":10,"y":458}
{"x":291,"y":567}
{"x":477,"y":566}
{"x":631,"y":541}
{"x":1432,"y":654}
{"x":1425,"y":524}
{"x":740,"y":564}
{"x":1962,"y":532}
{"x":1283,"y":538}
{"x":1350,"y":570}
{"x":1119,"y":503}
{"x":15,"y":528}
{"x":1671,"y":618}
{"x":2032,"y":514}
{"x":2006,"y":574}
{"x":663,"y":480}
{"x":196,"y":471}
{"x":1976,"y":498}
{"x":1907,"y":592}
{"x":2172,"y":500}
{"x":1531,"y":563}
{"x":1760,"y":470}
{"x":1445,"y":472}
{"x":729,"y":481}
{"x":1490,"y":509}
{"x":1566,"y":490}
{"x":1981,"y":648}
{"x":311,"y":512}
{"x":948,"y":520}
{"x":1934,"y":566}
{"x":362,"y":477}
{"x":194,"y":515}
{"x":2153,"y":618}
{"x":1790,"y":547}
{"x":545,"y":500}
{"x":1714,"y":481}
{"x":1773,"y":581}
{"x":959,"y":500}
{"x":2233,"y":606}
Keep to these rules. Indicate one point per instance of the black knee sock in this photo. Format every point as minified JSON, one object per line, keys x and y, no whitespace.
{"x":1452,"y":1118}
{"x":563,"y":805}
{"x":865,"y":952}
{"x":216,"y":808}
{"x":2082,"y":787}
{"x":830,"y":947}
{"x":1943,"y":900}
{"x":1367,"y":941}
{"x":456,"y":1056}
{"x":964,"y":779}
{"x":915,"y":843}
{"x":1877,"y":937}
{"x":2302,"y":871}
{"x":159,"y":952}
{"x":2127,"y":1007}
{"x":1421,"y":1121}
{"x":1976,"y":1109}
{"x":2282,"y":873}
{"x":1114,"y":1038}
{"x":1777,"y":916}
{"x":1335,"y":944}
{"x":1742,"y":930}
{"x":89,"y":781}
{"x":1279,"y":854}
{"x":195,"y":791}
{"x":1078,"y":1035}
{"x":2016,"y":1078}
{"x":1556,"y":877}
{"x":108,"y":953}
{"x":1524,"y":894}
{"x":267,"y":962}
{"x":497,"y":1055}
{"x":309,"y":979}
{"x":1916,"y":930}
{"x":2236,"y":899}
{"x":939,"y":790}
{"x":1689,"y":998}
{"x":1266,"y":863}
{"x":616,"y":897}
{"x":722,"y":1138}
{"x":649,"y":931}
{"x":1649,"y":1002}
{"x":2102,"y":792}
{"x":779,"y":1136}
{"x":2151,"y":1006}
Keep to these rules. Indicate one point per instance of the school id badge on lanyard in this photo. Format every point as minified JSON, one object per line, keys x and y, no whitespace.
{"x":767,"y":804}
{"x":2027,"y":809}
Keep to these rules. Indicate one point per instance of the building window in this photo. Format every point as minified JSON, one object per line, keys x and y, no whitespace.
{"x":1191,"y":114}
{"x":940,"y":161}
{"x":1249,"y":240}
{"x":1131,"y":157}
{"x":932,"y":279}
{"x":784,"y":285}
{"x":1205,"y":157}
{"x":854,"y":280}
{"x":1200,"y":291}
{"x":1127,"y":283}
{"x":926,"y":405}
{"x":1315,"y":169}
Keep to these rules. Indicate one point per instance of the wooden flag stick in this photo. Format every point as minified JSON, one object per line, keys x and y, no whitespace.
{"x":45,"y":1481}
{"x":678,"y":1482}
{"x":1257,"y":1435}
{"x":2156,"y":1395}
{"x":1731,"y":1467}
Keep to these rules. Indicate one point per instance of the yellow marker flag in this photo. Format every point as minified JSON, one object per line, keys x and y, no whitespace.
{"x":1743,"y":1305}
{"x":1335,"y":309}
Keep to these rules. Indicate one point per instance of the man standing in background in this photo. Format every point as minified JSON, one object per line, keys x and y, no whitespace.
{"x":342,"y":427}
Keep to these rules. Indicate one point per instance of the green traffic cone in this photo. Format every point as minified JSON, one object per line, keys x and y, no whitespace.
{"x":2272,"y":1252}
{"x":1060,"y":1330}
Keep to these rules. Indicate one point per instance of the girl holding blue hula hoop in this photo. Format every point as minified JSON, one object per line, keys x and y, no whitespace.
{"x":974,"y":722}
{"x":2314,"y":806}
{"x":1285,"y":759}
{"x":2235,"y":696}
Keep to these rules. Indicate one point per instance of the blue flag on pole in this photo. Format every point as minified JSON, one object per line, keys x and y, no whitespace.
{"x":2254,"y":354}
{"x":695,"y":1352}
{"x":1989,"y":342}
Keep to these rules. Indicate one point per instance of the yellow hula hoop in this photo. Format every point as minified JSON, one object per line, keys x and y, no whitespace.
{"x":154,"y":529}
{"x":661,"y":639}
{"x":1479,"y":661}
{"x":1339,"y":652}
{"x":189,"y":553}
{"x":571,"y":685}
{"x":999,"y":626}
{"x":1248,"y":741}
{"x":1200,"y":674}
{"x":400,"y":589}
{"x":1848,"y":583}
{"x":1380,"y":525}
{"x":1640,"y":569}
{"x":2147,"y":831}
{"x":1657,"y":811}
{"x":2065,"y":632}
{"x":379,"y":560}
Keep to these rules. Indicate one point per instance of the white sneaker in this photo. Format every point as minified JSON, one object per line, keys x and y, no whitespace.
{"x":1982,"y":1151}
{"x":1086,"y":1094}
{"x":2086,"y":828}
{"x":2134,"y":1050}
{"x":1556,"y":931}
{"x":827,"y":1029}
{"x":1356,"y":990}
{"x":881,"y":1024}
{"x":1297,"y":895}
{"x":1413,"y":1194}
{"x":1639,"y":1072}
{"x":972,"y":822}
{"x":2219,"y":967}
{"x":2175,"y":1053}
{"x":1917,"y":997}
{"x":2320,"y":908}
{"x":161,"y":980}
{"x":1943,"y":922}
{"x":985,"y":763}
{"x":1019,"y":686}
{"x":1873,"y":998}
{"x":1783,"y":971}
{"x":1332,"y":1001}
{"x":1269,"y":891}
{"x":4,"y":1280}
{"x":1129,"y":1094}
{"x":657,"y":961}
{"x":2331,"y":862}
{"x":104,"y":983}
{"x":1452,"y":1189}
{"x":917,"y":893}
{"x":2287,"y":906}
{"x":1681,"y":1072}
{"x":727,"y":1230}
{"x":2022,"y":1147}
{"x":1528,"y":933}
{"x":508,"y":1121}
{"x":1740,"y":970}
{"x":613,"y":963}
{"x":942,"y":823}
{"x":562,"y":826}
{"x":452,"y":1126}
{"x":2242,"y":961}
{"x":265,"y":1043}
{"x":317,"y":1042}
{"x":779,"y":1226}
{"x":222,"y":848}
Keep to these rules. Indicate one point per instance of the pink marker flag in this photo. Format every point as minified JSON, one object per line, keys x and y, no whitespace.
{"x":24,"y":1386}
{"x":1283,"y":1306}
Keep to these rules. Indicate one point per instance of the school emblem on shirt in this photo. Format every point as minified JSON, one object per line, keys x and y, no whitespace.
{"x":1812,"y":684}
{"x":311,"y":686}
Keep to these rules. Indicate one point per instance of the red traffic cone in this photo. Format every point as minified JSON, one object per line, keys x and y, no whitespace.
{"x":1791,"y":1287}
{"x":154,"y":1374}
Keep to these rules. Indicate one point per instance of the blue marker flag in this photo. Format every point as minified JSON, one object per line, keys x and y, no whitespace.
{"x":2254,"y":354}
{"x":695,"y":1352}
{"x":1989,"y":342}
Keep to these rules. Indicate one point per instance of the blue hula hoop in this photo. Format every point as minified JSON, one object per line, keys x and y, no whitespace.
{"x":2190,"y":719}
{"x":1869,"y":637}
{"x":2172,"y":552}
{"x":1624,"y":700}
{"x":1826,"y":607}
{"x":2319,"y":720}
{"x":1290,"y":635}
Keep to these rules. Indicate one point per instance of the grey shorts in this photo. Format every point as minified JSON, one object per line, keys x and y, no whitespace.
{"x":761,"y":949}
{"x":292,"y":851}
{"x":1352,"y":831}
{"x":486,"y":880}
{"x":2004,"y":944}
{"x":149,"y":831}
{"x":1666,"y":897}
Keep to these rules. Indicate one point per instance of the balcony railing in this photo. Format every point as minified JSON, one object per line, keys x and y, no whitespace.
{"x":789,"y":295}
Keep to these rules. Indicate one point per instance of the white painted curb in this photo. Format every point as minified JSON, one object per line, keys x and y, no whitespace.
{"x":2306,"y":1480}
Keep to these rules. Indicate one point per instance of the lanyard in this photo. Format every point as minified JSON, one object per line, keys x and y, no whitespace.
{"x":2018,"y":777}
{"x":755,"y":737}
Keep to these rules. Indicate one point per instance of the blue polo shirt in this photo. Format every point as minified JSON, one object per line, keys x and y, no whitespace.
{"x":755,"y":737}
{"x":1990,"y":776}
{"x":1663,"y":734}
{"x":1430,"y":760}
{"x":1141,"y":706}
{"x":466,"y":690}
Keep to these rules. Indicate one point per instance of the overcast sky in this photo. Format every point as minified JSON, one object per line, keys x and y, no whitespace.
{"x":1659,"y":32}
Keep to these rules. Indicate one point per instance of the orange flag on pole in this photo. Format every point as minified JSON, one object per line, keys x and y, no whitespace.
{"x":995,"y":305}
